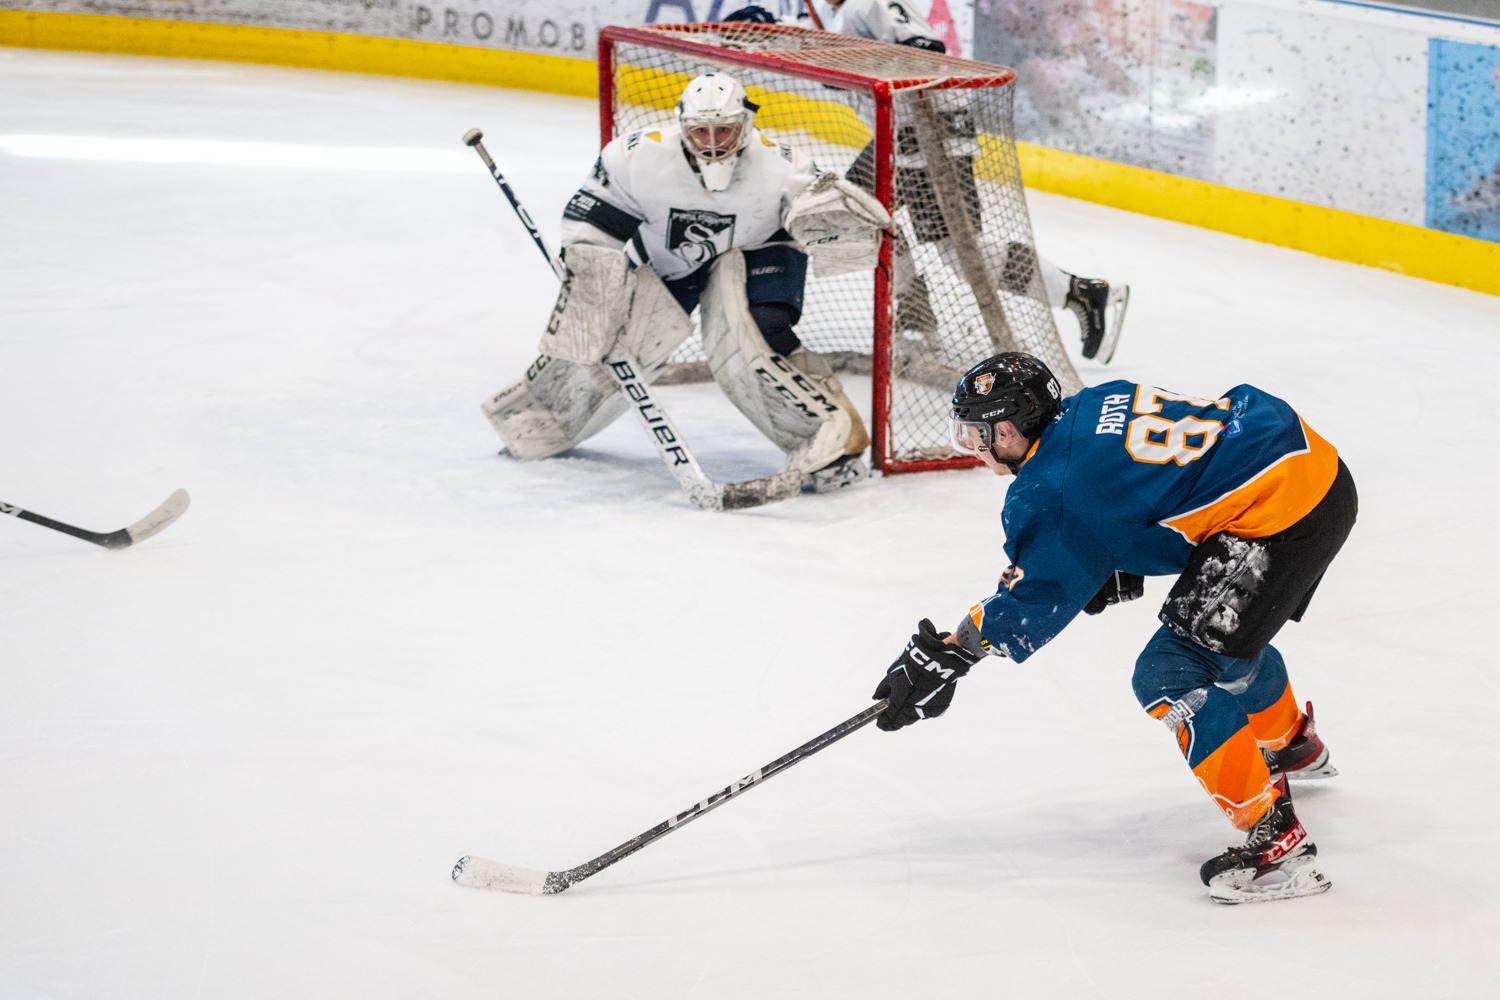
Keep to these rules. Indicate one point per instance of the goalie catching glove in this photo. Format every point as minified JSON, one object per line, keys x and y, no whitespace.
{"x":919,"y":685}
{"x":838,"y":224}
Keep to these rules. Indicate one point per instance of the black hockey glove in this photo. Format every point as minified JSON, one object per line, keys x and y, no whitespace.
{"x":919,"y":685}
{"x":1119,"y":588}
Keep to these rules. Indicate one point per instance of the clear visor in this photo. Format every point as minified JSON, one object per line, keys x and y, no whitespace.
{"x":971,"y":438}
{"x":714,"y":140}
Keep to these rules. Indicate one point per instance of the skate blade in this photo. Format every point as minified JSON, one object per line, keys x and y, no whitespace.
{"x":1240,"y":886}
{"x":1114,"y":312}
{"x":1318,"y":769}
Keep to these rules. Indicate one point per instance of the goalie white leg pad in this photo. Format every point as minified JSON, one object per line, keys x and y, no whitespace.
{"x":820,"y":374}
{"x":560,"y":403}
{"x":656,"y":324}
{"x":593,"y":305}
{"x":556,"y":405}
{"x":802,"y":417}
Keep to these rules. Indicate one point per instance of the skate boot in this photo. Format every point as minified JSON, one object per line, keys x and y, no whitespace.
{"x":1305,"y":758}
{"x":1101,"y":313}
{"x":1277,"y":842}
{"x":837,"y":475}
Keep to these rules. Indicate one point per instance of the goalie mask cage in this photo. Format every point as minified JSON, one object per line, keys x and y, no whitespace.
{"x":932,"y":137}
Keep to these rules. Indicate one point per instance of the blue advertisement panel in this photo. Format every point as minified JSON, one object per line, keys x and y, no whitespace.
{"x":1463,"y":139}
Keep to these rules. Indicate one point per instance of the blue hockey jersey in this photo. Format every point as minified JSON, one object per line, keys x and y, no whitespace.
{"x":1132,"y":477}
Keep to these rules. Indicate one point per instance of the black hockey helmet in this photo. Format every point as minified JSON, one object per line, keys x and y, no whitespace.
{"x":1010,"y":386}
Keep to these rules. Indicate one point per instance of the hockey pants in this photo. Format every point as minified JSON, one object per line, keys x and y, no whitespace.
{"x":1221,"y":710}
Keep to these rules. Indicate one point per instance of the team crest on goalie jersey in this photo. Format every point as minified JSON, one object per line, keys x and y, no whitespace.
{"x":698,"y":236}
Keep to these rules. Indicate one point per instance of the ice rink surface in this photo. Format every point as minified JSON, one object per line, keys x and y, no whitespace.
{"x":239,"y":761}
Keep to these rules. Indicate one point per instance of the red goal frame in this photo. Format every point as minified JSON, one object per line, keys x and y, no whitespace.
{"x":966,"y":74}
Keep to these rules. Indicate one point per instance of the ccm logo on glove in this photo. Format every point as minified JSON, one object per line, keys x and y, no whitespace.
{"x":919,"y":685}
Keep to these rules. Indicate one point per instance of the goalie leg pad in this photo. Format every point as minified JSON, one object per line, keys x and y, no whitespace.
{"x":560,"y":403}
{"x":553,"y":407}
{"x":799,"y":412}
{"x":656,"y":324}
{"x":592,"y":305}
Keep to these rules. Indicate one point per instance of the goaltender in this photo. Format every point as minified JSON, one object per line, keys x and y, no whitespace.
{"x":706,"y":214}
{"x":1239,"y":498}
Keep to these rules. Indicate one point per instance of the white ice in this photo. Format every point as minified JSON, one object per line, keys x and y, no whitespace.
{"x":239,"y":760}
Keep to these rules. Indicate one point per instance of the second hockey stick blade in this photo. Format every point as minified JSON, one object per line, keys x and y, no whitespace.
{"x":169,"y":510}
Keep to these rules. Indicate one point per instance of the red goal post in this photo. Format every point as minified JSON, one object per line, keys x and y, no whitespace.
{"x":932,"y":137}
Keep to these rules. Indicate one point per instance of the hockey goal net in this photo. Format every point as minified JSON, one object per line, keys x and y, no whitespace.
{"x":932,"y":137}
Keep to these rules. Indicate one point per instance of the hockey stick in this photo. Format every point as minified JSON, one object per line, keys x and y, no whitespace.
{"x":475,"y":138}
{"x":170,"y":510}
{"x":813,"y":13}
{"x":480,"y":873}
{"x":627,"y":373}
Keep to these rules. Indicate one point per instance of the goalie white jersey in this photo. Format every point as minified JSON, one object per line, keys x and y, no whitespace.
{"x":645,"y":196}
{"x":886,"y":21}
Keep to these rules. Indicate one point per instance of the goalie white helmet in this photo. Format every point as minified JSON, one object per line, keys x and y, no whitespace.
{"x":716,"y":118}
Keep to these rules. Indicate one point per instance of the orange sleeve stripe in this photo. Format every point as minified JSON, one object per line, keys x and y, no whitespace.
{"x":1274,"y":727}
{"x":1275,"y":499}
{"x":1236,"y":776}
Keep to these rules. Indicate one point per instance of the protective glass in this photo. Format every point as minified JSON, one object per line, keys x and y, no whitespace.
{"x":971,"y":438}
{"x":714,"y":140}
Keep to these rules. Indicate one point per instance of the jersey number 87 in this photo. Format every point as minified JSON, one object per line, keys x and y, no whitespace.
{"x":1153,"y":438}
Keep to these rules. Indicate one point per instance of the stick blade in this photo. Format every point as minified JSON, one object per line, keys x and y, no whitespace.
{"x":481,"y":873}
{"x":170,"y":510}
{"x":758,"y":492}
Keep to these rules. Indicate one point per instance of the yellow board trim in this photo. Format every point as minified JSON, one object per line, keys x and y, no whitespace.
{"x":780,"y":111}
{"x":1327,"y":232}
{"x":1360,"y":239}
{"x":139,"y":36}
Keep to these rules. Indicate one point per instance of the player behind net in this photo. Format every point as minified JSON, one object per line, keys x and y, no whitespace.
{"x":1239,"y":498}
{"x":709,"y":215}
{"x":1098,"y":307}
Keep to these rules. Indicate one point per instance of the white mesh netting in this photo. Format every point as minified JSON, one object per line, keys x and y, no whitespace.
{"x":964,"y":281}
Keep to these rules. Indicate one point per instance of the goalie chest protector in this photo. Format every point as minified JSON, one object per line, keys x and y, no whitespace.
{"x":647,"y":176}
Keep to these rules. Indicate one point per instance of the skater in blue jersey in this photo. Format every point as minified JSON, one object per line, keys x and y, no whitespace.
{"x":1238,"y":498}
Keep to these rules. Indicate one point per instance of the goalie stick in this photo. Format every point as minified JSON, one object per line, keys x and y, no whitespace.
{"x":170,"y":510}
{"x":627,"y":375}
{"x":480,"y":873}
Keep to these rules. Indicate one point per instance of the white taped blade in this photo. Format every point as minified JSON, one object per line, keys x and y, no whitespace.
{"x":481,"y":873}
{"x":170,"y":510}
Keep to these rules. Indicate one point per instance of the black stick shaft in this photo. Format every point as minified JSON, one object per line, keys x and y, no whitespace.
{"x":473,"y":139}
{"x":110,"y":540}
{"x":558,"y":881}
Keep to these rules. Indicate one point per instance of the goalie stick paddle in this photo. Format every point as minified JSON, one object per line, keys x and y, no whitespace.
{"x":629,"y":378}
{"x":481,"y":873}
{"x":170,"y":510}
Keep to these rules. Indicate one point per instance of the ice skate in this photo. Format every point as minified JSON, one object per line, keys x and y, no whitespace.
{"x":1276,"y":843}
{"x":1100,"y":309}
{"x":1305,"y":758}
{"x":839,"y":474}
